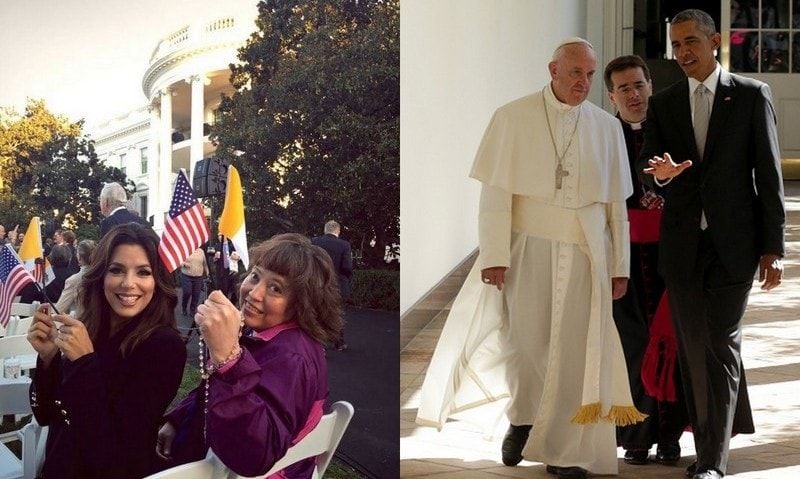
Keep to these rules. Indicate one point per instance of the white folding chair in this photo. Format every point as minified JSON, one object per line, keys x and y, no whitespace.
{"x":23,"y":309}
{"x":14,"y":400}
{"x":322,"y":442}
{"x":18,"y":325}
{"x":19,"y":348}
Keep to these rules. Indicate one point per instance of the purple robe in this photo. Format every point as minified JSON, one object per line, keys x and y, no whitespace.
{"x":259,"y":407}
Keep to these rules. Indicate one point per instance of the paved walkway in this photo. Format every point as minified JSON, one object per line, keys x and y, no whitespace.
{"x":771,"y":354}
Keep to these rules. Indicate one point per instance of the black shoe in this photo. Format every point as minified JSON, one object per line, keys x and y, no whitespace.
{"x":636,"y":457}
{"x":709,"y":474}
{"x":571,"y":473}
{"x":515,"y":440}
{"x":668,"y":454}
{"x":551,"y":469}
{"x":691,"y":469}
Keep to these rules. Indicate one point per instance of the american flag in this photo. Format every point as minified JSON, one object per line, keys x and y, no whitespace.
{"x":13,"y":277}
{"x":186,"y":228}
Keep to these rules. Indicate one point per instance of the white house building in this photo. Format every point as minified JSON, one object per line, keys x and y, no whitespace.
{"x":188,"y":72}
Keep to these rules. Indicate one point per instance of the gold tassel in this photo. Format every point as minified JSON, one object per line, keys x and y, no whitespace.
{"x":624,"y":415}
{"x":587,"y":414}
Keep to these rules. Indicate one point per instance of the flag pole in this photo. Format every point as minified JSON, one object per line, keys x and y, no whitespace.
{"x":38,"y":286}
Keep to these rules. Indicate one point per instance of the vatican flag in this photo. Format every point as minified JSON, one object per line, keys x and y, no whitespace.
{"x":231,"y":224}
{"x":31,"y":249}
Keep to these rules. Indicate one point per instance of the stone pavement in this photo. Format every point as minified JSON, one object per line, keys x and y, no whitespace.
{"x":771,"y":354}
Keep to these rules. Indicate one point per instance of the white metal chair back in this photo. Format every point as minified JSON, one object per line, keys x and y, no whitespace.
{"x":19,"y":348}
{"x":23,"y":309}
{"x":18,"y":326}
{"x":322,"y":442}
{"x":13,"y":401}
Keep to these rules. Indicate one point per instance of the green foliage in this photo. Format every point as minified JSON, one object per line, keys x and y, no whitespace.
{"x":337,"y":470}
{"x":315,"y":120}
{"x":189,"y":381}
{"x":47,"y":166}
{"x":376,"y":288}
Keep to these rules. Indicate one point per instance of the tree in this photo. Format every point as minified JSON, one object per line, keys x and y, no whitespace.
{"x":49,"y":169}
{"x":314,"y":122}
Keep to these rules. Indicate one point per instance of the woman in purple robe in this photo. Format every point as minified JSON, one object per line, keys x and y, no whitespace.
{"x":265,"y":382}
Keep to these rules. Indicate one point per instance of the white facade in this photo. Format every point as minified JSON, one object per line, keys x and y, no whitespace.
{"x":188,"y":72}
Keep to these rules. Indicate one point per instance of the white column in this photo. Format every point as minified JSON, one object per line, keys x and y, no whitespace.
{"x":198,"y":102}
{"x":165,"y":159}
{"x":153,"y":193}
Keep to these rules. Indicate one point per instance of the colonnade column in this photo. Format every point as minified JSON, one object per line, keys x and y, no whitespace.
{"x":198,"y":83}
{"x":153,"y":191}
{"x":165,"y":159}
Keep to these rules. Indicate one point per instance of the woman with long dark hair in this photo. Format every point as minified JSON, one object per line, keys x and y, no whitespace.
{"x":104,"y":380}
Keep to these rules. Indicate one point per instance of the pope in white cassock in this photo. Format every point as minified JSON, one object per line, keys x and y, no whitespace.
{"x":532,"y":324}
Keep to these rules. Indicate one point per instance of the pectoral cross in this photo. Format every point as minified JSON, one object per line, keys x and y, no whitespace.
{"x":560,"y":174}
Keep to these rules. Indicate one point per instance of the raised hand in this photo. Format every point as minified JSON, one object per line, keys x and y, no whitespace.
{"x":218,"y":320}
{"x":664,"y":169}
{"x":41,"y":334}
{"x":72,"y":338}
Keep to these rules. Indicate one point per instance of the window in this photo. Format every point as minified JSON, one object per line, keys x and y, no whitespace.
{"x":765,"y":36}
{"x":122,"y":165}
{"x":143,"y":205}
{"x":143,"y":155}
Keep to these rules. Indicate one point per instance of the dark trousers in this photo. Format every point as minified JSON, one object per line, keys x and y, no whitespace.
{"x":633,"y":315}
{"x":192,"y":287}
{"x":707,"y":312}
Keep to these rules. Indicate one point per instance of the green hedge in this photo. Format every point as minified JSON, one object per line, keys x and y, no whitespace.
{"x":376,"y":288}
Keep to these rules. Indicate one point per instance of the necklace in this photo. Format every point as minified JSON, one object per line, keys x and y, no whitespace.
{"x":205,"y":371}
{"x":560,"y":171}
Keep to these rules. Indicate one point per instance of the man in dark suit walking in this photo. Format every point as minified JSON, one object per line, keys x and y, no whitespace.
{"x":113,"y":205}
{"x":342,"y":257}
{"x":723,"y":218}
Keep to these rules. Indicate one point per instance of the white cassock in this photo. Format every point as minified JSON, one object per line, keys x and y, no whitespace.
{"x":548,"y":340}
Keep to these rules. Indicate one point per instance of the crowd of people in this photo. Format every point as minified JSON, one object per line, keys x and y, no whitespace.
{"x":110,"y":356}
{"x":635,"y":238}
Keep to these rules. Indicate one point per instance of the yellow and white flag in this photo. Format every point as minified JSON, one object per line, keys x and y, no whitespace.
{"x":231,"y":224}
{"x":31,"y":249}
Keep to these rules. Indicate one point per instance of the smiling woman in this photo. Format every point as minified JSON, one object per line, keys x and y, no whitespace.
{"x":266,"y":381}
{"x":104,"y":379}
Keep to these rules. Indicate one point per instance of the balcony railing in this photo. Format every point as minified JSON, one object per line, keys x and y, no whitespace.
{"x":214,"y":30}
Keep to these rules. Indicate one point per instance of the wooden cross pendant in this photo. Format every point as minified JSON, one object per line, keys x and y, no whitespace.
{"x":560,"y":174}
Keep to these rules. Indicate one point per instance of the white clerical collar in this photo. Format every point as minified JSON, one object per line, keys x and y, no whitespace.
{"x":635,"y":126}
{"x":710,"y":82}
{"x":554,"y":102}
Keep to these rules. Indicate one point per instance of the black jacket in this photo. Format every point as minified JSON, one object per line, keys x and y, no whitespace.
{"x":104,"y":410}
{"x":342,"y":257}
{"x":120,"y":217}
{"x":737,"y":183}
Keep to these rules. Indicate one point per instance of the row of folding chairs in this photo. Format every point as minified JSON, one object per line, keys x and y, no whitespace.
{"x":321,"y":443}
{"x":32,"y":437}
{"x":20,"y":319}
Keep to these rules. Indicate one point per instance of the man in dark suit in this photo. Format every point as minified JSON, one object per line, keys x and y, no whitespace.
{"x":723,"y":217}
{"x":113,"y":205}
{"x":342,"y":257}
